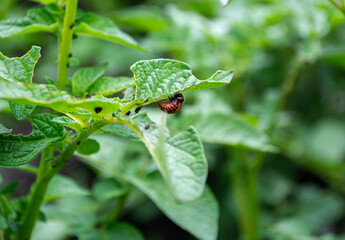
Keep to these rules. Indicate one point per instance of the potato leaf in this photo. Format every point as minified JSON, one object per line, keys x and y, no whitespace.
{"x":97,"y":26}
{"x":36,"y":20}
{"x":160,"y":78}
{"x":17,"y":150}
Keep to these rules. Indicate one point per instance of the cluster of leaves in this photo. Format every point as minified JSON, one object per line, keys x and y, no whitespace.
{"x":86,"y":105}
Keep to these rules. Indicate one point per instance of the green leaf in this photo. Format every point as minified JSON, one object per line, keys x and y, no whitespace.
{"x":40,"y":94}
{"x":36,"y":20}
{"x":97,"y":26}
{"x":85,"y":77}
{"x":68,"y":122}
{"x":120,"y":130}
{"x":17,"y":150}
{"x":4,"y":130}
{"x":199,"y":217}
{"x":107,"y":189}
{"x":144,"y":18}
{"x":110,"y":85}
{"x":9,"y":189}
{"x":45,"y":1}
{"x":21,"y":111}
{"x":231,"y":129}
{"x":19,"y":69}
{"x":160,"y":78}
{"x":123,"y":231}
{"x":3,"y":223}
{"x":63,"y":187}
{"x":183,"y":163}
{"x":88,"y":147}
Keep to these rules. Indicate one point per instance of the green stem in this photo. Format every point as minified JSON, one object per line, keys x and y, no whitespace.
{"x":244,"y":185}
{"x":36,"y":198}
{"x":65,"y":45}
{"x":46,"y":172}
{"x":337,"y":5}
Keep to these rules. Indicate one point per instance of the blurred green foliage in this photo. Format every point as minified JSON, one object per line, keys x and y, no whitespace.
{"x":284,"y":115}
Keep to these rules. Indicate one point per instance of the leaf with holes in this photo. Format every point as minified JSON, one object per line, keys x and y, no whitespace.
{"x":47,"y":96}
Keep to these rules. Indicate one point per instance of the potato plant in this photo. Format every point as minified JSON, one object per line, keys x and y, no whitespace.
{"x":74,"y":115}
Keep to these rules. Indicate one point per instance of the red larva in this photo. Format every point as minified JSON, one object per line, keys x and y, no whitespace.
{"x":173,"y":105}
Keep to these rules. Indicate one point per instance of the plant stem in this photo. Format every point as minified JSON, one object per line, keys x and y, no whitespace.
{"x":36,"y":198}
{"x":65,"y":45}
{"x":46,"y":172}
{"x":244,"y":185}
{"x":337,"y":5}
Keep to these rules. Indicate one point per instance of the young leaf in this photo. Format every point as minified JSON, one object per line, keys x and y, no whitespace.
{"x":183,"y":163}
{"x":97,"y":26}
{"x":160,"y":78}
{"x":60,"y":101}
{"x":88,"y":147}
{"x":17,"y":150}
{"x":3,"y":130}
{"x":85,"y":77}
{"x":19,"y":69}
{"x":110,"y":85}
{"x":199,"y":217}
{"x":36,"y":20}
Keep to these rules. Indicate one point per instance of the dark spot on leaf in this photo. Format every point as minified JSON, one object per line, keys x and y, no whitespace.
{"x":146,"y":100}
{"x":98,"y":109}
{"x":71,"y":26}
{"x":70,"y":54}
{"x":147,"y":126}
{"x":127,"y":113}
{"x":137,"y":109}
{"x":78,"y":143}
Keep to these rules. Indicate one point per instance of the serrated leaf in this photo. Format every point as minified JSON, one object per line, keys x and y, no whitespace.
{"x":40,"y":94}
{"x":36,"y":20}
{"x":97,"y":26}
{"x":17,"y":150}
{"x":110,"y":85}
{"x":63,"y":187}
{"x":21,"y":111}
{"x":199,"y":217}
{"x":3,"y":129}
{"x":183,"y":164}
{"x":19,"y":69}
{"x":85,"y":77}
